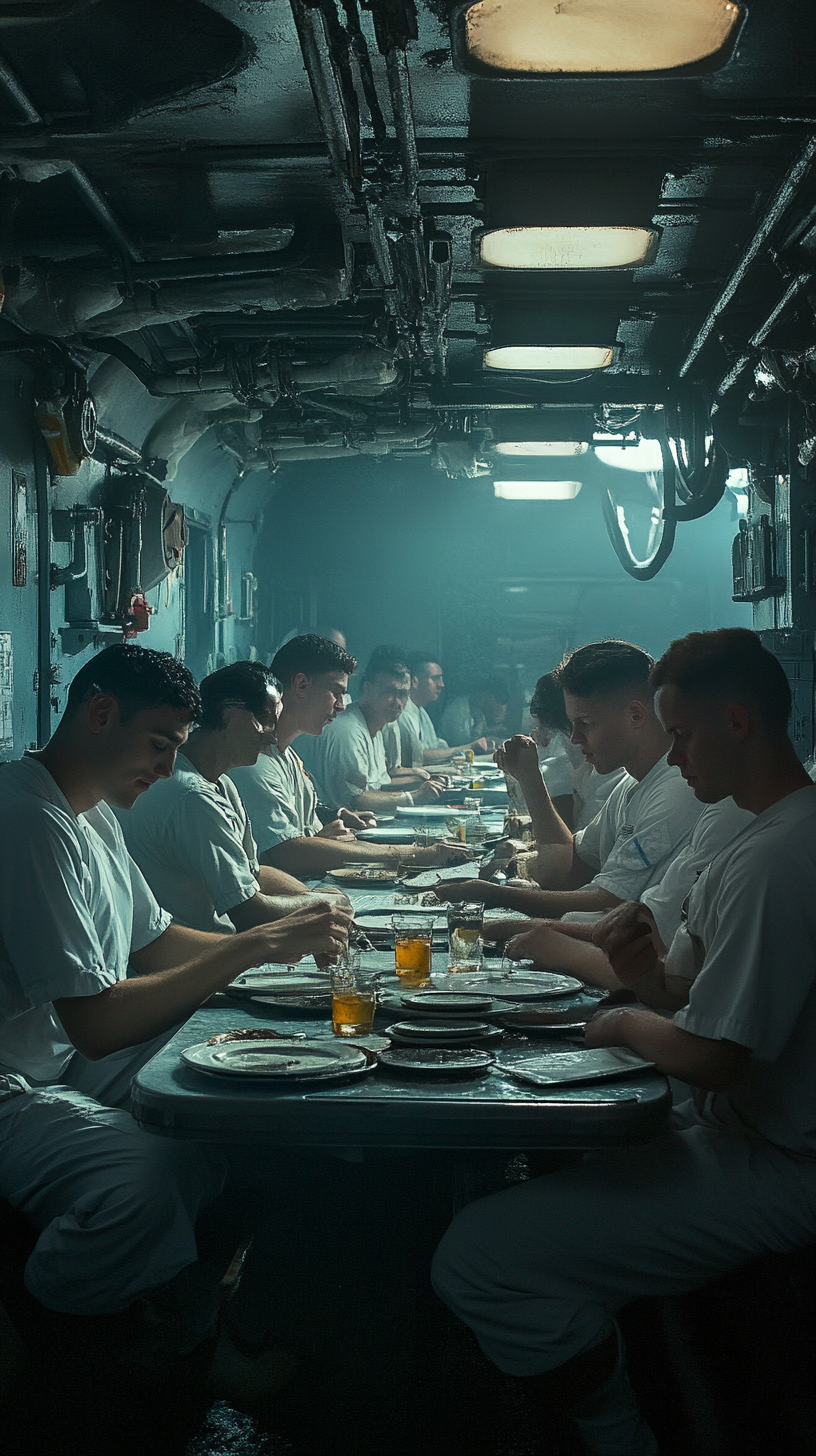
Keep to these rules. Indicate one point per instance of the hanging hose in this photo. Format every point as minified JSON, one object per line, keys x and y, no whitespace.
{"x":643,"y":569}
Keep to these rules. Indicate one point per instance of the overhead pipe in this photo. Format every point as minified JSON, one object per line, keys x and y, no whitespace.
{"x":88,"y":191}
{"x":399,"y":85}
{"x":315,"y":47}
{"x":117,"y":446}
{"x":781,"y":202}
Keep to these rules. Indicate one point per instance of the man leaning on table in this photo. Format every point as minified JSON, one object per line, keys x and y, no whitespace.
{"x":348,"y":762}
{"x":279,"y":795}
{"x":114,"y":1208}
{"x":647,"y":818}
{"x":191,"y":837}
{"x":421,"y":743}
{"x":539,"y":1272}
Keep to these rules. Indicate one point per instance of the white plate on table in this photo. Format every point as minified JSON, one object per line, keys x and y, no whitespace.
{"x":393,"y":835}
{"x":364,"y":876}
{"x":438,"y":1061}
{"x":519,"y":988}
{"x":435,"y":811}
{"x":280,"y":1062}
{"x":592,"y":1064}
{"x":265,"y":981}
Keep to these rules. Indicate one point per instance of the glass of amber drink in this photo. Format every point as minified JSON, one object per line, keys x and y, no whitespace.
{"x":413,"y":938}
{"x":354,"y":997}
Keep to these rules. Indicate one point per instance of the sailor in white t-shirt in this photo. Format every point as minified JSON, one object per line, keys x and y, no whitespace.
{"x":645,"y":821}
{"x":114,"y":1208}
{"x":191,"y":837}
{"x":563,"y":945}
{"x":421,"y":744}
{"x":349,"y":760}
{"x":539,"y":1272}
{"x":279,"y":794}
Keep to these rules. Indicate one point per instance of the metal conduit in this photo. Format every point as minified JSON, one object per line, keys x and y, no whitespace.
{"x":89,"y":193}
{"x":785,"y":195}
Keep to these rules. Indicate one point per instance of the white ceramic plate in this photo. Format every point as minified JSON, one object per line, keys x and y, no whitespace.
{"x":276,"y":1061}
{"x":458,"y":1002}
{"x":435,"y":811}
{"x":267,"y":982}
{"x":518,"y":988}
{"x":594,"y":1064}
{"x":389,"y":835}
{"x":438,"y":1061}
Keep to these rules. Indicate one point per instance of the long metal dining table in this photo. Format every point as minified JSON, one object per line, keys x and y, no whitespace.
{"x":366,"y":1176}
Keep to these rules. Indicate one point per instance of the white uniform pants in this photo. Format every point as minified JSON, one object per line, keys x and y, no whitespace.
{"x":538,"y":1271}
{"x":116,"y":1206}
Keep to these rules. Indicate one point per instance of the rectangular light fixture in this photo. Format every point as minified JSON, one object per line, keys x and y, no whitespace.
{"x":538,"y":490}
{"x":533,"y":358}
{"x":541,"y":447}
{"x":566,"y":247}
{"x":605,"y":36}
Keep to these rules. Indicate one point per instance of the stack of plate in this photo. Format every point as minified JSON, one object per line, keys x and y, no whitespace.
{"x":448,"y":1033}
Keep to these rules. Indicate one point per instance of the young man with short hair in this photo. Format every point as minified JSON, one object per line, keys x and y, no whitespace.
{"x":348,"y":761}
{"x":279,"y":796}
{"x":540,"y":1272}
{"x":421,"y":743}
{"x":191,"y":837}
{"x":644,"y":822}
{"x":115,"y":1208}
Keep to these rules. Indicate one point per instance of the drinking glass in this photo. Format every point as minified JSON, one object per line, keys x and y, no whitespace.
{"x":457,"y":829}
{"x":354,"y":996}
{"x":413,"y":941}
{"x":465,"y":946}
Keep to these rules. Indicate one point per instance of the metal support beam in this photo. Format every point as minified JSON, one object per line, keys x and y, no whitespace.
{"x":781,"y":202}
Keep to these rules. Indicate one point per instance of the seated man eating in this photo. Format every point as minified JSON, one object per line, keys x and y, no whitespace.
{"x":349,"y":763}
{"x":573,"y":947}
{"x":648,"y":816}
{"x":115,"y":1208}
{"x":279,"y":796}
{"x":540,"y":1271}
{"x":191,"y":837}
{"x":421,"y":744}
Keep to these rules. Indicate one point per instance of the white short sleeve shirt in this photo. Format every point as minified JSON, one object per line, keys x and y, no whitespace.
{"x":73,"y":906}
{"x":417,"y":733}
{"x":279,"y":798}
{"x":715,"y":828}
{"x":345,"y":761}
{"x":192,"y":841}
{"x":639,"y":830}
{"x":753,"y":914}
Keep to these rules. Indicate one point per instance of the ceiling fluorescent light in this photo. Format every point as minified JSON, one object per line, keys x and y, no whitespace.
{"x":550,"y":357}
{"x":550,"y":490}
{"x":566,"y":247}
{"x":646,"y":455}
{"x":603,"y":35}
{"x":541,"y":447}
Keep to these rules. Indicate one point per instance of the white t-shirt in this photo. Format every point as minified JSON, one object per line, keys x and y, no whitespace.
{"x":192,"y":841}
{"x":417,"y":733}
{"x":714,"y":829}
{"x":279,"y":798}
{"x":73,"y":906}
{"x":637,"y":833}
{"x":393,"y":745}
{"x":345,"y":761}
{"x":752,"y":914}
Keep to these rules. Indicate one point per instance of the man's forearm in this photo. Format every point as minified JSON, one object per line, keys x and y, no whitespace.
{"x":177,"y":944}
{"x":380,"y":801}
{"x":548,"y":826}
{"x":544,"y":904}
{"x":274,"y":881}
{"x":313,"y":855}
{"x":134,"y":1010}
{"x":698,"y":1060}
